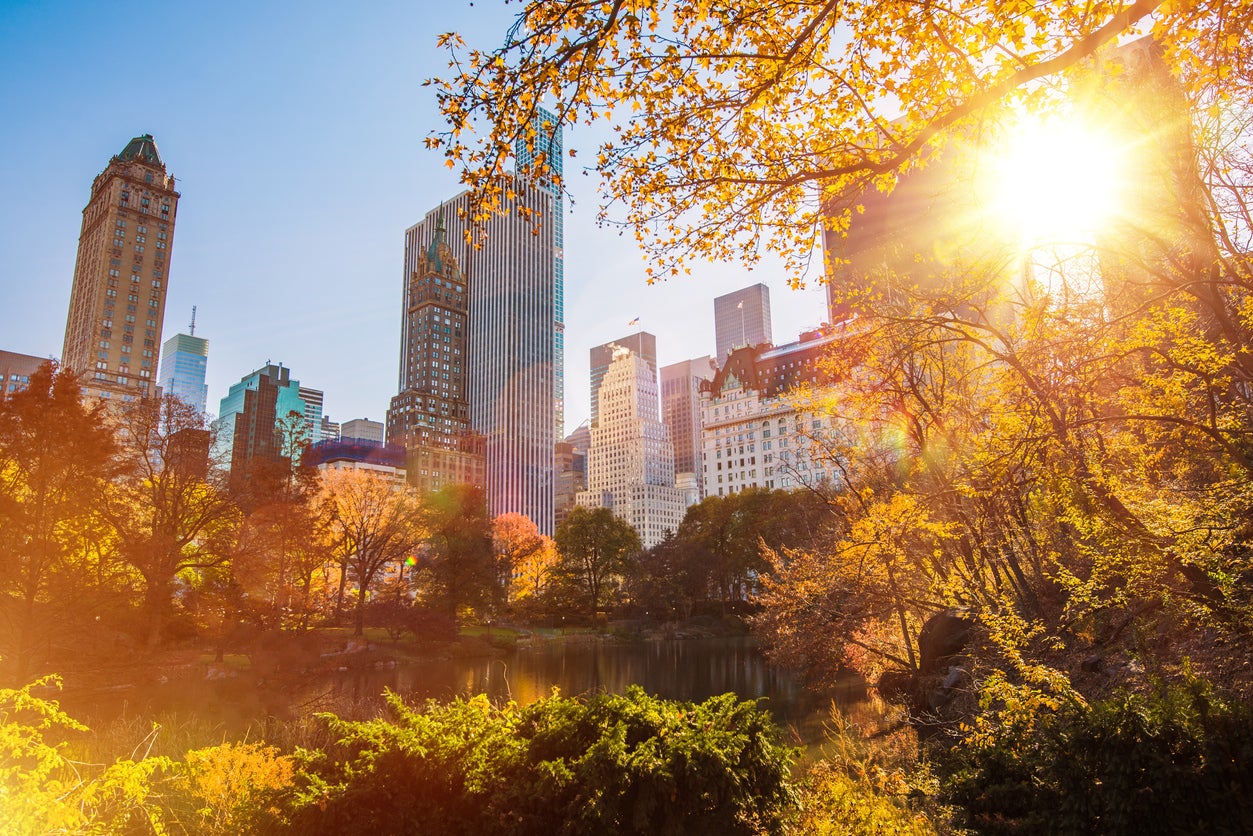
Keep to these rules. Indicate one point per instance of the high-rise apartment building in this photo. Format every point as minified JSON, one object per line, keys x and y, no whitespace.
{"x":600,"y":357}
{"x":362,"y":429}
{"x":741,"y":318}
{"x":680,"y":410}
{"x":113,"y":330}
{"x":630,"y":465}
{"x":184,"y":362}
{"x":314,"y":399}
{"x":430,"y":417}
{"x":330,"y":430}
{"x":545,"y":149}
{"x":15,"y":371}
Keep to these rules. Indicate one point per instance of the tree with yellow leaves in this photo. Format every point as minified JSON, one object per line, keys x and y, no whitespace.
{"x":735,"y":129}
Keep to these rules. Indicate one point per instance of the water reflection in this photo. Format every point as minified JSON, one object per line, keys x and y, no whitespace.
{"x":693,"y":669}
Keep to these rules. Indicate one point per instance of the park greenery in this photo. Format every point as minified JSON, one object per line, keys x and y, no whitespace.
{"x":1037,"y":546}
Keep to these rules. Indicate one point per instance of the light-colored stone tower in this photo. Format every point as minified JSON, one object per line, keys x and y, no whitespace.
{"x":630,"y":465}
{"x":113,"y":332}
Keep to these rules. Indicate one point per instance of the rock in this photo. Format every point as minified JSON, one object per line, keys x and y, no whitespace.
{"x":944,"y":635}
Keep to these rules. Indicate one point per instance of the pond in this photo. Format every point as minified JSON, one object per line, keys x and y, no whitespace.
{"x":682,"y":669}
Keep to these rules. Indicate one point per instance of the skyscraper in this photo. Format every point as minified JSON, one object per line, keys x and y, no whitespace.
{"x":680,"y":410}
{"x":741,"y":318}
{"x":546,"y":150}
{"x":510,"y":348}
{"x":257,"y":423}
{"x":630,"y":465}
{"x":113,"y":330}
{"x":313,"y":399}
{"x":430,"y":417}
{"x":184,"y":360}
{"x":600,"y":358}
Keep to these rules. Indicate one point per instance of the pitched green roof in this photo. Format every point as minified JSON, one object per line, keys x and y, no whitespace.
{"x":142,"y":148}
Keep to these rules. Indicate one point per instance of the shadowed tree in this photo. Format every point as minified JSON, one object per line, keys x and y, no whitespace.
{"x":56,"y":455}
{"x":458,"y":560}
{"x":169,"y":508}
{"x":594,"y":546}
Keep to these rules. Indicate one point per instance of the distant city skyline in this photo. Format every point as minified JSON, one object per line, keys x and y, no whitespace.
{"x":289,"y":234}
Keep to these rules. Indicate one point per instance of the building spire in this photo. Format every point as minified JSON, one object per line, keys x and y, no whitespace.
{"x":437,"y":243}
{"x":191,"y":331}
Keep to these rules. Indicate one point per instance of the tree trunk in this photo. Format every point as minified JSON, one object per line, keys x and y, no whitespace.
{"x":359,"y":620}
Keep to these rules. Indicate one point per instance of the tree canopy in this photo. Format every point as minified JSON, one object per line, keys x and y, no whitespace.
{"x":731,"y":129}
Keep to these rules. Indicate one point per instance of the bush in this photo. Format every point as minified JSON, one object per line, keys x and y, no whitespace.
{"x":399,"y":617}
{"x":1177,"y":761}
{"x":608,"y":764}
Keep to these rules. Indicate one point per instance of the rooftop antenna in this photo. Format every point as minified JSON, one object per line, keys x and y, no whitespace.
{"x":192,"y":329}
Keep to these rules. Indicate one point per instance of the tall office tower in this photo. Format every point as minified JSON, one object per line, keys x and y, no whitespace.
{"x":680,"y":410}
{"x":741,"y":318}
{"x":362,"y":429}
{"x":571,"y":470}
{"x":547,"y":148}
{"x":113,"y":331}
{"x":330,"y":430}
{"x":601,"y":357}
{"x":630,"y":466}
{"x":430,"y":417}
{"x":184,"y":360}
{"x":313,"y":399}
{"x":256,"y":425}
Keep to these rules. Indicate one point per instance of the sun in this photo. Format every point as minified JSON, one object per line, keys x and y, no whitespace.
{"x":1057,"y":180}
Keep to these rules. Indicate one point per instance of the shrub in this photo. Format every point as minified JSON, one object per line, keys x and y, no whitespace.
{"x":234,"y":787}
{"x":399,"y":617}
{"x":608,"y":764}
{"x":43,"y":791}
{"x":1176,"y":761}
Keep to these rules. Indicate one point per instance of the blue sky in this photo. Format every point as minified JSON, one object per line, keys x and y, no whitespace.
{"x":295,"y":133}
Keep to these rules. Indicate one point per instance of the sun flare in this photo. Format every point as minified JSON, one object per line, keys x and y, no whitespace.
{"x":1057,"y":181}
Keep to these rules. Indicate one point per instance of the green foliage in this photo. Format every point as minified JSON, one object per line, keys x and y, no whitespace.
{"x":398,"y":617}
{"x":43,"y":791}
{"x":865,"y":787}
{"x":594,"y":547}
{"x":1175,"y":761}
{"x":608,"y":764}
{"x":458,"y":561}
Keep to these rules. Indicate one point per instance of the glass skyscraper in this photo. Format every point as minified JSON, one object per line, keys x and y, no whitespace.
{"x":184,"y":359}
{"x":548,"y":145}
